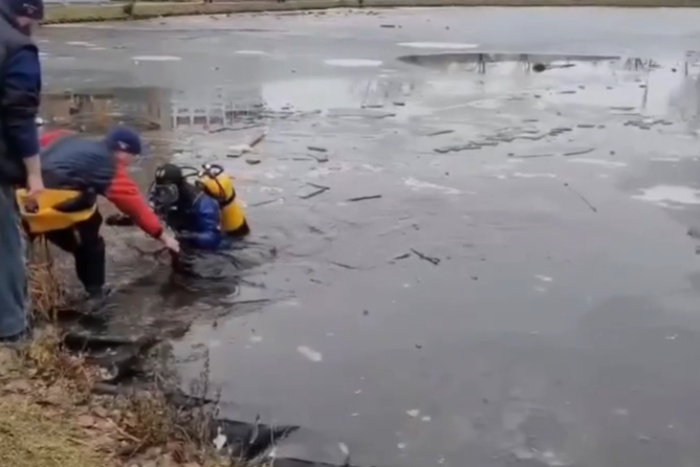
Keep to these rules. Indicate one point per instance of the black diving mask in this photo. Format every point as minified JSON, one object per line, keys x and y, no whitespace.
{"x":163,"y":197}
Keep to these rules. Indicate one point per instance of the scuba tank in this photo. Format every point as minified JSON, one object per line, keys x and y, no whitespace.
{"x":219,"y":185}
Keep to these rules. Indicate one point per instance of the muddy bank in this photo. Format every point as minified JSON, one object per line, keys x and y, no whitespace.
{"x":79,"y":13}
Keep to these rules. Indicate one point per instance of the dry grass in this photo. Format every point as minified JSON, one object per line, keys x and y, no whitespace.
{"x":32,"y":436}
{"x":49,"y":415}
{"x":46,"y":289}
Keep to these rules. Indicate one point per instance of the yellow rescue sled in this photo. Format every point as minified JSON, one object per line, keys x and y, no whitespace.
{"x":42,"y":217}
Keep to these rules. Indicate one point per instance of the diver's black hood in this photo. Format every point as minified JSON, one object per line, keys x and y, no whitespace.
{"x":169,"y":173}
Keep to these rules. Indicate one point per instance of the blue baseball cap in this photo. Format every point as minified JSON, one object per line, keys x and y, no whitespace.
{"x":125,"y":139}
{"x":33,"y":9}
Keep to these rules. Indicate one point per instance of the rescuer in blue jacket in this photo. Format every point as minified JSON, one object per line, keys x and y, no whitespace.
{"x":194,"y":216}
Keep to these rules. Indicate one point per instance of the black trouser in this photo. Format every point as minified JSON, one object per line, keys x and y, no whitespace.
{"x":86,"y":244}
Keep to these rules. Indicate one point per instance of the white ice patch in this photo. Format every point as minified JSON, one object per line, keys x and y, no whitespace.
{"x":255,"y":339}
{"x":421,"y":185}
{"x":534,"y":175}
{"x":439,"y":45}
{"x":310,"y":353}
{"x":665,"y":159}
{"x":663,"y":194}
{"x":413,"y":413}
{"x":220,"y":440}
{"x":601,"y":162}
{"x":81,"y":43}
{"x":156,"y":58}
{"x":352,"y":62}
{"x":251,"y":52}
{"x":543,"y":278}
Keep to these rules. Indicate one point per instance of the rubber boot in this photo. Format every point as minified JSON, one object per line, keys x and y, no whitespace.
{"x":90,"y":262}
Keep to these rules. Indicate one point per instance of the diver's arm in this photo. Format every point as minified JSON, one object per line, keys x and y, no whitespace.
{"x":206,"y":234}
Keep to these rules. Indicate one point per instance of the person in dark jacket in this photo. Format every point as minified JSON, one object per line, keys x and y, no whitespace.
{"x":19,"y":152}
{"x":193,"y":215}
{"x":97,"y":167}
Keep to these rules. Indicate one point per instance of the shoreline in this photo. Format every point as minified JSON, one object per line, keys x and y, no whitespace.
{"x":82,"y":13}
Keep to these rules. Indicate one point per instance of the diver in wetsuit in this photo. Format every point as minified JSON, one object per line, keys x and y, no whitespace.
{"x":194,"y":216}
{"x":204,"y":214}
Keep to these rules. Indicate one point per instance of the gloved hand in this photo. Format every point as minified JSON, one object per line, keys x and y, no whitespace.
{"x":121,"y":220}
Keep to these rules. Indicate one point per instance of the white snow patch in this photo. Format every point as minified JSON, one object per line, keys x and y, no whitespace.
{"x":601,"y":162}
{"x":439,"y":45}
{"x":534,"y":175}
{"x":251,"y":52}
{"x":352,"y":62}
{"x":421,"y":185}
{"x":663,"y":194}
{"x":310,"y":353}
{"x":156,"y":58}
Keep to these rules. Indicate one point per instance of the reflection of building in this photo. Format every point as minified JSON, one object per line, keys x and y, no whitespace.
{"x":95,"y":110}
{"x":147,"y":108}
{"x":216,"y":109}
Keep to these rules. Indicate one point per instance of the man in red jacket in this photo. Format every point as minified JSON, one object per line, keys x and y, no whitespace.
{"x":97,"y":167}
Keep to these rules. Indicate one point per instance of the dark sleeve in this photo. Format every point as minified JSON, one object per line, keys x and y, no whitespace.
{"x":20,"y":101}
{"x":206,"y":234}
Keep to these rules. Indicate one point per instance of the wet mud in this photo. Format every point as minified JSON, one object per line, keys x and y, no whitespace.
{"x":470,"y":231}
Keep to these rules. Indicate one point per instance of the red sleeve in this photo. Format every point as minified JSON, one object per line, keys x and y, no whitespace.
{"x":125,"y":195}
{"x":52,"y":136}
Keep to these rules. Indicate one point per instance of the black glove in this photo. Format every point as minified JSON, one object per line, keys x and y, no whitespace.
{"x":121,"y":220}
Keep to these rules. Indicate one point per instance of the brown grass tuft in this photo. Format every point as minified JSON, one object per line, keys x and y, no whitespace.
{"x":47,"y":292}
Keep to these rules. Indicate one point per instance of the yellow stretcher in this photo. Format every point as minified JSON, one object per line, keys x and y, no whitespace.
{"x":46,"y":218}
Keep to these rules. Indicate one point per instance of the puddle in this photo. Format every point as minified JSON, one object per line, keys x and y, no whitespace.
{"x":352,"y":62}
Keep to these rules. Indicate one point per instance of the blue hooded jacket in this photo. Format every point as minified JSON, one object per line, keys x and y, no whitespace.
{"x":200,"y":226}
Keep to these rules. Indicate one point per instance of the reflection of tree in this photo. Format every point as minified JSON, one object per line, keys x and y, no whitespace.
{"x":686,"y":100}
{"x":95,"y":110}
{"x":479,"y":61}
{"x":639,"y":64}
{"x":384,"y":89}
